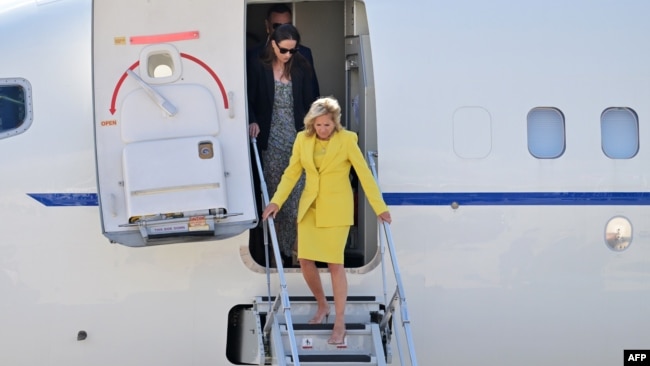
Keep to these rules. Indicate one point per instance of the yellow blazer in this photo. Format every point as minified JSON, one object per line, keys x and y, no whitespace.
{"x":329,"y":188}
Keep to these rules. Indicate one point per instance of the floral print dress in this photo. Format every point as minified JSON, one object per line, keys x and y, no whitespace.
{"x":276,"y":158}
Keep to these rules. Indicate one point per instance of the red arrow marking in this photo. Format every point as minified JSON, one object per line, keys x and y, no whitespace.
{"x":185,"y":55}
{"x":119,"y":85}
{"x":214,"y":76}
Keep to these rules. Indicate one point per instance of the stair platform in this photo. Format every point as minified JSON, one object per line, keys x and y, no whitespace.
{"x":363,"y":342}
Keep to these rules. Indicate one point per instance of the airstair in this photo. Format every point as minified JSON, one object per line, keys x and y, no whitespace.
{"x":285,"y":338}
{"x":364,"y":343}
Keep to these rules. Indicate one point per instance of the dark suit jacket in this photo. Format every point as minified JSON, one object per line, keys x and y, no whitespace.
{"x":256,"y":51}
{"x":261,"y":94}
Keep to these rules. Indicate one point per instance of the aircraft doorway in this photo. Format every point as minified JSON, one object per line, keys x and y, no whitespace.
{"x":336,"y":32}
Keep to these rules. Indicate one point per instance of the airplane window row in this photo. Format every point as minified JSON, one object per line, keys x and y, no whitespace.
{"x":546,"y":128}
{"x":619,"y":133}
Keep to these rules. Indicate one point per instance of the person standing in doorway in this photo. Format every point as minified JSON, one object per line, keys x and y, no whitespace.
{"x":277,"y":15}
{"x":280,"y":91}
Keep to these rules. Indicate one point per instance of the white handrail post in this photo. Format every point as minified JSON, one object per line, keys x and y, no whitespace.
{"x":284,"y":295}
{"x":406,"y":321}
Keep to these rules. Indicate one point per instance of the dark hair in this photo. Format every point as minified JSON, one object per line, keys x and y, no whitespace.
{"x":277,"y":8}
{"x":283,"y":33}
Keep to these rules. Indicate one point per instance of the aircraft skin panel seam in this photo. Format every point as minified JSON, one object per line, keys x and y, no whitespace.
{"x":195,"y":187}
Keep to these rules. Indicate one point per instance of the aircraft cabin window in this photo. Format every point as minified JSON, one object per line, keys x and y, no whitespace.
{"x":15,"y":106}
{"x":619,"y":133}
{"x":160,"y":64}
{"x":546,"y":133}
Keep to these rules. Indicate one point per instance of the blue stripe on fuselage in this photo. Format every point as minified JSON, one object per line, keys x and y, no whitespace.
{"x":66,"y":199}
{"x":518,"y":198}
{"x":434,"y":199}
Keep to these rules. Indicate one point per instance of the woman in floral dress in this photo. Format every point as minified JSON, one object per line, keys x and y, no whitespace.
{"x":280,"y":92}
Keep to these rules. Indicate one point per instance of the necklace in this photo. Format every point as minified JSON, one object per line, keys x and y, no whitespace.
{"x":322,"y":144}
{"x":278,"y":72}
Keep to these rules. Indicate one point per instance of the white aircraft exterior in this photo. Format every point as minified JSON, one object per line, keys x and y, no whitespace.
{"x":511,"y":142}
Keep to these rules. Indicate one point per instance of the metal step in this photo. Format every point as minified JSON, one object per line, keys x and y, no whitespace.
{"x":363,"y":342}
{"x":358,"y":309}
{"x":312,"y":338}
{"x":362,"y":346}
{"x":339,"y":360}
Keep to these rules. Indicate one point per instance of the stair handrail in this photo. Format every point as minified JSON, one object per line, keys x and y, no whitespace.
{"x":399,"y":291}
{"x":284,"y":294}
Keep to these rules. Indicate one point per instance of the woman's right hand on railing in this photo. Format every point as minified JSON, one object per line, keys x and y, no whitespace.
{"x":253,"y":129}
{"x":270,"y":210}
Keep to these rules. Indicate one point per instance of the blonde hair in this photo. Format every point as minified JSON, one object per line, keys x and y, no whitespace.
{"x":322,"y":106}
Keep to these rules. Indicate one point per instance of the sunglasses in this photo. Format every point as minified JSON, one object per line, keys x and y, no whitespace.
{"x":285,"y":50}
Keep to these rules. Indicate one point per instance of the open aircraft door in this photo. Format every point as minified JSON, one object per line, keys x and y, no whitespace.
{"x":170,"y":121}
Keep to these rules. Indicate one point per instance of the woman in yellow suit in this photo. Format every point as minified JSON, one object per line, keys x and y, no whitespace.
{"x":325,"y":151}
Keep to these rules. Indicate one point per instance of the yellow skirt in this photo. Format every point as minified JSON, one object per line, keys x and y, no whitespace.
{"x":322,"y":244}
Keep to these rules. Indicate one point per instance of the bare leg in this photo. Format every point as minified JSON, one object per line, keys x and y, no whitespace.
{"x":312,"y":277}
{"x":340,"y":289}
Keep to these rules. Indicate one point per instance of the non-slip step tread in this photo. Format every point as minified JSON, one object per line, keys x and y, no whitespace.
{"x":334,"y":358}
{"x":329,"y":298}
{"x":348,"y":326}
